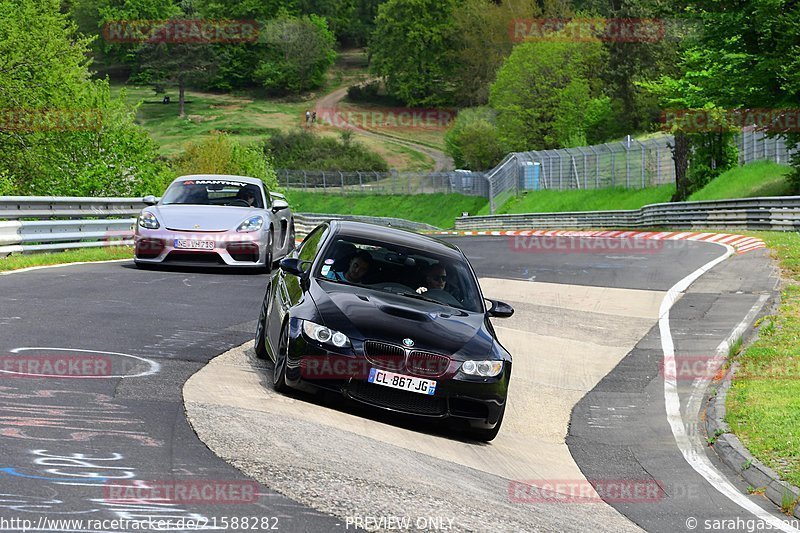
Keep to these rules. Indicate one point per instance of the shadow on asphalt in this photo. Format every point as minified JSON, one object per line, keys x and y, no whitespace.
{"x":438,"y":427}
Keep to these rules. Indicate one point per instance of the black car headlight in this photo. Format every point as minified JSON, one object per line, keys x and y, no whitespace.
{"x":148,"y":220}
{"x":325,"y":335}
{"x":484,"y":369}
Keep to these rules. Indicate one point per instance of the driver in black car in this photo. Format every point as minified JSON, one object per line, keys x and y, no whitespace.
{"x":435,"y":278}
{"x":358,"y":267}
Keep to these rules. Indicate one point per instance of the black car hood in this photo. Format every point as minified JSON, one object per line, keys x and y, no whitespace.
{"x":363,"y":313}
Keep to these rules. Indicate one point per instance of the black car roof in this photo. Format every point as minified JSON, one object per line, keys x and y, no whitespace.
{"x":390,"y":235}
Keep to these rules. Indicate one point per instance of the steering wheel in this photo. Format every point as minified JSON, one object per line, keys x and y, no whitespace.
{"x":241,"y":202}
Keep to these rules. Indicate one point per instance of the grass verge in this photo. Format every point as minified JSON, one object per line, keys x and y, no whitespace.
{"x":762,"y":178}
{"x":16,"y":262}
{"x":439,"y":209}
{"x":763,"y":405}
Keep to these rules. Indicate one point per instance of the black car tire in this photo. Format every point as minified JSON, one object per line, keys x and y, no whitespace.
{"x":486,"y":435}
{"x":261,"y":327}
{"x":279,"y":370}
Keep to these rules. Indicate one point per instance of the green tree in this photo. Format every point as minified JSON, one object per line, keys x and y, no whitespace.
{"x":222,"y":154}
{"x":180,"y":65}
{"x":76,"y":138}
{"x":411,"y":49}
{"x":473,"y":141}
{"x":301,"y":51}
{"x":94,"y":18}
{"x":547,"y":94}
{"x":482,"y":42}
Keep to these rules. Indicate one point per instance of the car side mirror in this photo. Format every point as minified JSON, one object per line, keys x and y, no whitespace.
{"x":500,"y":309}
{"x":293,"y":266}
{"x":150,"y":200}
{"x":279,"y":204}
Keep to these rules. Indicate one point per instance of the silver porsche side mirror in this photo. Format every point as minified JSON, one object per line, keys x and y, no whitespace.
{"x":279,"y":204}
{"x":150,"y":200}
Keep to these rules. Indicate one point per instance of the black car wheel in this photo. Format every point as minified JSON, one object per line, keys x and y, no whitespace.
{"x":487,"y":435}
{"x":279,"y":371}
{"x":261,"y":327}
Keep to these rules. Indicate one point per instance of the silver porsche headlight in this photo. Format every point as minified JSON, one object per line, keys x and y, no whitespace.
{"x":484,"y":369}
{"x":148,"y":220}
{"x":251,"y":224}
{"x":325,"y":335}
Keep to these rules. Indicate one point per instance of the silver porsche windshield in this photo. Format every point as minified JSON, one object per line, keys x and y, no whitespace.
{"x":214,"y":192}
{"x":401,"y":270}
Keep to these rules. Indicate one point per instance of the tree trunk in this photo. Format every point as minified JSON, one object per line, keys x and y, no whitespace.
{"x":680,"y":155}
{"x":182,"y":99}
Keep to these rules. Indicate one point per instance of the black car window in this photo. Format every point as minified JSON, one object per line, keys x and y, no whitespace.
{"x":402,"y":270}
{"x":310,"y":245}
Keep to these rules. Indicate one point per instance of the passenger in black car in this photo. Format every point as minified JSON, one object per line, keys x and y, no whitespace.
{"x":435,"y":278}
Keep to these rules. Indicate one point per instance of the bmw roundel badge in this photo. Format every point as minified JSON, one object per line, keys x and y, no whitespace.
{"x":408,"y":342}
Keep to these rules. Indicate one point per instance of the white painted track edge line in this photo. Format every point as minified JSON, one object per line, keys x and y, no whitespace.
{"x":699,"y":462}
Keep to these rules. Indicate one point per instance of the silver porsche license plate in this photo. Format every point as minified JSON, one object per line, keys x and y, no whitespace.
{"x":399,"y":381}
{"x":192,"y":244}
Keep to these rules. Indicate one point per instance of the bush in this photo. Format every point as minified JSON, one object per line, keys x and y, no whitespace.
{"x":222,"y":154}
{"x":473,"y":142}
{"x":364,"y":92}
{"x":305,"y":150}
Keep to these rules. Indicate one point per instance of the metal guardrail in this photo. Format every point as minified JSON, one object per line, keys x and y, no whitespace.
{"x":778,"y":213}
{"x":38,"y":224}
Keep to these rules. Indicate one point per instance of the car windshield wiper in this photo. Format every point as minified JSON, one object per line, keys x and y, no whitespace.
{"x":419,"y":297}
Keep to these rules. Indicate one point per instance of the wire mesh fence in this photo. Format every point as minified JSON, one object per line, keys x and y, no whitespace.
{"x":335,"y":182}
{"x":631,"y":164}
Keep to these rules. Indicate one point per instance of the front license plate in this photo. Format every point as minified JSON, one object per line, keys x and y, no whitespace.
{"x":194,"y":245}
{"x":399,"y":381}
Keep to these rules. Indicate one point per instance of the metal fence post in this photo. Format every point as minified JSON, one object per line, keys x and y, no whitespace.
{"x":360,"y":182}
{"x":613,"y":167}
{"x":324,"y":185}
{"x":305,"y":181}
{"x":341,"y":176}
{"x":491,"y":196}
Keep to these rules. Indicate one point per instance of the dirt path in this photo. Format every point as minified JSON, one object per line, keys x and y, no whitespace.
{"x":329,"y":102}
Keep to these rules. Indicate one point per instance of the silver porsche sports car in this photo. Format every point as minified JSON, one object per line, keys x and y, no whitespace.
{"x":214,"y":220}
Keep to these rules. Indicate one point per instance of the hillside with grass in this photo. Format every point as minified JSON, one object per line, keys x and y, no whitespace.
{"x":441,"y":210}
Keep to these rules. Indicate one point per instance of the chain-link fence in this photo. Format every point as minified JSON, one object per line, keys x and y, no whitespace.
{"x":630,"y":163}
{"x":757,"y":146}
{"x":335,"y":182}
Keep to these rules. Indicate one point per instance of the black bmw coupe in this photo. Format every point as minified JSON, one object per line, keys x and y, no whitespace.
{"x":389,"y":318}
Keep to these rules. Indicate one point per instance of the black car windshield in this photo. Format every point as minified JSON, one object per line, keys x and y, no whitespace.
{"x":214,"y":192}
{"x":400,"y":270}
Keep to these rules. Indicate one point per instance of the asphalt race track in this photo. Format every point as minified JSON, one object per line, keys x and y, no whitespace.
{"x":586,"y":335}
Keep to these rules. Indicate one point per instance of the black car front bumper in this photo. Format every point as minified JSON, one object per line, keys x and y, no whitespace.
{"x":479,"y":402}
